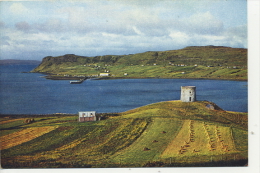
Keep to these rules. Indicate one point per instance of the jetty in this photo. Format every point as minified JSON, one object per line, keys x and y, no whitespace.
{"x":77,"y":81}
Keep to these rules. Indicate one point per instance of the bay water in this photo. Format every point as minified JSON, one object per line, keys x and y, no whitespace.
{"x":30,"y":93}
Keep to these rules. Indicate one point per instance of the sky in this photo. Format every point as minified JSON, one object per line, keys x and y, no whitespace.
{"x":32,"y":30}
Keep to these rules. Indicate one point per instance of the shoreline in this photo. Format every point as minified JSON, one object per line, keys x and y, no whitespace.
{"x":15,"y":116}
{"x":10,"y":116}
{"x":52,"y":77}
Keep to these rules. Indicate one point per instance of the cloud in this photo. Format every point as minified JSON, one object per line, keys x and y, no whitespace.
{"x":204,"y":23}
{"x":51,"y":25}
{"x":2,"y":24}
{"x":18,"y":8}
{"x":236,"y":36}
{"x":4,"y":40}
{"x":124,"y":20}
{"x":113,"y":27}
{"x":137,"y":31}
{"x":179,"y":37}
{"x":239,"y":31}
{"x":23,"y":26}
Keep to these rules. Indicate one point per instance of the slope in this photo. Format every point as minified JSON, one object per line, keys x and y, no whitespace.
{"x":215,"y":62}
{"x":169,"y":133}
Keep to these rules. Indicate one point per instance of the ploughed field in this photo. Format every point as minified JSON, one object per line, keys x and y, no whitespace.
{"x":166,"y":134}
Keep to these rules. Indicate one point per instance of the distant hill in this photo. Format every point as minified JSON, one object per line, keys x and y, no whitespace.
{"x":215,"y":62}
{"x":19,"y":62}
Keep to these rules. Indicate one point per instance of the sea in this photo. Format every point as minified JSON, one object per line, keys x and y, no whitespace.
{"x":31,"y":93}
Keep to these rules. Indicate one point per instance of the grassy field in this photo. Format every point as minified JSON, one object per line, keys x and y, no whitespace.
{"x":193,"y":136}
{"x":169,"y":133}
{"x":152,"y":142}
{"x":208,"y":62}
{"x":16,"y":138}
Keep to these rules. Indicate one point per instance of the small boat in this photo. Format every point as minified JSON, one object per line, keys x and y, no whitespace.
{"x":76,"y":81}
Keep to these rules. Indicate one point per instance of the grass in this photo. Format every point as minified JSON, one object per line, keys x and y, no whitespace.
{"x":10,"y":126}
{"x":158,"y":71}
{"x":148,"y":135}
{"x":14,"y":123}
{"x":153,"y":139}
{"x":239,"y":137}
{"x":198,"y":138}
{"x":224,"y":62}
{"x":23,"y":136}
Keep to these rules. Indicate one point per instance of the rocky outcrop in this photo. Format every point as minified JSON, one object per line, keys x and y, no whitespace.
{"x":212,"y":106}
{"x":61,"y":59}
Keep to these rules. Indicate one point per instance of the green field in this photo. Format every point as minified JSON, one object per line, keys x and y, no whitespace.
{"x":206,"y":62}
{"x":166,"y":134}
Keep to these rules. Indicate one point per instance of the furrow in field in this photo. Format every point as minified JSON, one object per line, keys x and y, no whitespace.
{"x":9,"y":121}
{"x":151,"y":143}
{"x":200,"y":138}
{"x":22,"y":136}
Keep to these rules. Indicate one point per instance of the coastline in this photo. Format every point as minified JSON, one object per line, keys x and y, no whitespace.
{"x":10,"y":116}
{"x":54,"y":77}
{"x":64,"y":78}
{"x":15,"y":116}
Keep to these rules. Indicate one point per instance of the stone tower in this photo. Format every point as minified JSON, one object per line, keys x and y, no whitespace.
{"x":188,"y":93}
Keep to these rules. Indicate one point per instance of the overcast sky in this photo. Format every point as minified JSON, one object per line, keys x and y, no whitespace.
{"x":35,"y":29}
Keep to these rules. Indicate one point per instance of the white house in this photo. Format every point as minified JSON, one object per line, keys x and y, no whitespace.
{"x":87,"y":116}
{"x":104,"y":74}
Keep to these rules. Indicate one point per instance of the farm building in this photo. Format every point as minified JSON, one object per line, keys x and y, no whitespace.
{"x":87,"y":116}
{"x":104,"y":74}
{"x":188,"y":93}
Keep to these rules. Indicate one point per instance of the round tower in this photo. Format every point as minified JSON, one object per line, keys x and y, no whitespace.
{"x":188,"y":93}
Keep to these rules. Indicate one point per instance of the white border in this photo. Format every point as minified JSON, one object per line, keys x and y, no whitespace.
{"x":254,"y":113}
{"x":253,"y":84}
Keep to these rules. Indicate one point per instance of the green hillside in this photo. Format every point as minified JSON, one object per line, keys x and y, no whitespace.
{"x":166,"y":134}
{"x":211,"y":62}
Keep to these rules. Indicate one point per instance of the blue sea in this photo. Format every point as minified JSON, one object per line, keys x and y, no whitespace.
{"x":30,"y":93}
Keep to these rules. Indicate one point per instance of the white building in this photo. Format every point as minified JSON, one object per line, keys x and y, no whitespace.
{"x":87,"y":116}
{"x":104,"y":74}
{"x":188,"y":93}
